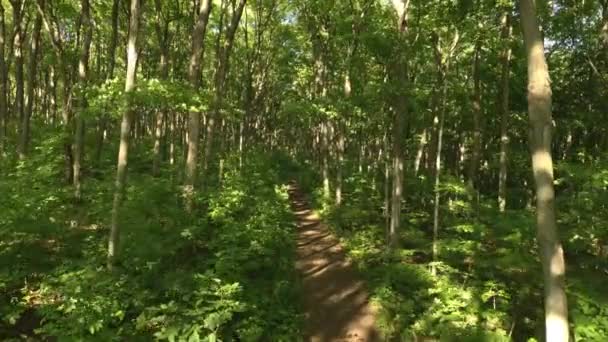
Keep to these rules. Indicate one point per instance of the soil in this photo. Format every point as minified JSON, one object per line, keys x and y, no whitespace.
{"x":335,"y":299}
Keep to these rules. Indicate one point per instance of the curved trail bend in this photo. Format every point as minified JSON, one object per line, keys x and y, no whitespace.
{"x":335,"y":300}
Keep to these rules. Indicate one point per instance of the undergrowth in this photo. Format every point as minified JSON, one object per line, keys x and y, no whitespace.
{"x":224,"y":273}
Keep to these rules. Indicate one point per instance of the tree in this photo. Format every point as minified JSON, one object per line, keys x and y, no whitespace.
{"x":223,"y":62}
{"x":402,"y":9}
{"x":125,"y":131}
{"x":194,"y":75}
{"x":443,"y":56}
{"x":539,"y":110}
{"x":161,"y":26}
{"x":3,"y":80}
{"x":31,"y":85}
{"x":83,"y":70}
{"x":504,"y":109}
{"x":57,"y":41}
{"x":18,"y":40}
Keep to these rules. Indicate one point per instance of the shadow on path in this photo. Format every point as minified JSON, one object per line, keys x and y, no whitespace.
{"x":335,"y":299}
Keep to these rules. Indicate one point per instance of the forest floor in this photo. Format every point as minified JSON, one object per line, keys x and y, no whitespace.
{"x":335,"y":299}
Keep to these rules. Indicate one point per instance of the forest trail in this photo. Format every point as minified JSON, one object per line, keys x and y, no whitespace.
{"x":335,"y":299}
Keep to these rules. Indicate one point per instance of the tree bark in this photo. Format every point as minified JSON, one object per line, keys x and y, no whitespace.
{"x":31,"y":85}
{"x":476,"y":148}
{"x":113,"y":38}
{"x":504,"y":111}
{"x":604,"y":32}
{"x":340,"y":160}
{"x":539,"y":110}
{"x":102,"y":121}
{"x":162,"y":33}
{"x":324,"y":158}
{"x":125,"y":130}
{"x":3,"y":80}
{"x":442,"y":57}
{"x":437,"y":192}
{"x":19,"y":106}
{"x":194,"y":117}
{"x":83,"y":70}
{"x":220,"y":79}
{"x":402,"y":9}
{"x":397,"y":190}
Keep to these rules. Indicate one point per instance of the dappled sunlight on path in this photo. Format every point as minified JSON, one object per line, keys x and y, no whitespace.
{"x":335,"y":299}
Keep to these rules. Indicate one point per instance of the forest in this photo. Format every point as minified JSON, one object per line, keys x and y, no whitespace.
{"x":304,"y":170}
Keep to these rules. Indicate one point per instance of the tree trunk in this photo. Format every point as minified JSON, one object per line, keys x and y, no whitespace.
{"x":340,"y":160}
{"x":18,"y":56}
{"x":113,"y":38}
{"x":604,"y":33}
{"x":57,"y":42}
{"x":476,"y":148}
{"x":397,"y":191}
{"x":52,"y":90}
{"x":442,"y":60}
{"x":24,"y":138}
{"x":437,"y":193}
{"x":162,"y":34}
{"x":125,"y":131}
{"x":421,"y":149}
{"x":3,"y":80}
{"x":83,"y":70}
{"x":325,"y":158}
{"x":220,"y":79}
{"x":504,"y":111}
{"x":102,"y":121}
{"x":194,"y":118}
{"x":402,"y":8}
{"x":539,"y":110}
{"x":387,"y":193}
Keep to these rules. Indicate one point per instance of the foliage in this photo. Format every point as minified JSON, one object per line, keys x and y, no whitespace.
{"x":483,"y":290}
{"x":206,"y":279}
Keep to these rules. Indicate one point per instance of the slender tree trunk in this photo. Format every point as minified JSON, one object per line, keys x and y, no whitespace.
{"x":19,"y":106}
{"x":31,"y":84}
{"x":52,"y":89}
{"x":387,"y":188}
{"x":83,"y":70}
{"x":125,"y":131}
{"x":443,"y":56}
{"x":162,"y":34}
{"x":172,"y":137}
{"x":539,"y":110}
{"x":64,"y":72}
{"x":194,"y":118}
{"x":113,"y":38}
{"x":3,"y":80}
{"x":604,"y":32}
{"x":220,"y":80}
{"x":421,"y":149}
{"x":402,"y":9}
{"x":437,"y":193}
{"x":476,"y":148}
{"x":504,"y":111}
{"x":340,"y":160}
{"x":397,"y":191}
{"x":324,"y":159}
{"x":102,"y":121}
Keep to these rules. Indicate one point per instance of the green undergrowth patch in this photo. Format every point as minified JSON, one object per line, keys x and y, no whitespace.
{"x":223,"y":273}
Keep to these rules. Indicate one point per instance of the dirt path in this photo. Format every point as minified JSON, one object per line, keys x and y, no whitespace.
{"x":335,"y":299}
